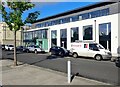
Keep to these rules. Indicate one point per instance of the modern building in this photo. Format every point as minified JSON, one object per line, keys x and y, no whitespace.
{"x":97,"y":23}
{"x":7,"y":36}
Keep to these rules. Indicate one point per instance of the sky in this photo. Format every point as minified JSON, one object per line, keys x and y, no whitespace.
{"x":52,"y":8}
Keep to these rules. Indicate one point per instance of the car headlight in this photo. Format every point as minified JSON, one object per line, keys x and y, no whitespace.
{"x":108,"y":53}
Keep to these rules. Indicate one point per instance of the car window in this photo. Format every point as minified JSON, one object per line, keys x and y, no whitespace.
{"x":10,"y":45}
{"x":54,"y":47}
{"x":36,"y":46}
{"x":31,"y":46}
{"x":58,"y":48}
{"x":21,"y":46}
{"x":93,"y":46}
{"x":64,"y":49}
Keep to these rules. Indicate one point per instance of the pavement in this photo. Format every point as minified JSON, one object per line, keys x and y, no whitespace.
{"x":25,"y":74}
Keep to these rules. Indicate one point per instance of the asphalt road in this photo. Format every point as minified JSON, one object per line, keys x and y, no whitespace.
{"x":104,"y":70}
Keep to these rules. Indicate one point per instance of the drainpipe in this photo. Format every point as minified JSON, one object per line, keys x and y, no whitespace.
{"x":95,"y":30}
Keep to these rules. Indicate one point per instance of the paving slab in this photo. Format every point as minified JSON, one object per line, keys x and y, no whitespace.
{"x":25,"y":74}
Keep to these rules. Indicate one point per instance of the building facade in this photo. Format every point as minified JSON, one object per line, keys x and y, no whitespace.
{"x":95,"y":23}
{"x":7,"y":36}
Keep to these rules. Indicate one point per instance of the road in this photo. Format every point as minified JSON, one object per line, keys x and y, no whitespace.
{"x":104,"y":70}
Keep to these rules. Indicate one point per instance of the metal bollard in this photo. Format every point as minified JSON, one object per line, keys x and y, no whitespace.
{"x":69,"y":71}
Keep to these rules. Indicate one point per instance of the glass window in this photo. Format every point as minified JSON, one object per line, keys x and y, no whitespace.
{"x":93,"y":14}
{"x":88,"y":32}
{"x":49,"y":23}
{"x":53,"y":38}
{"x":63,"y":38}
{"x":63,"y":33}
{"x":85,"y":16}
{"x":25,"y":35}
{"x":44,"y":34}
{"x":30,"y":35}
{"x":66,"y":20}
{"x":104,"y":12}
{"x":75,"y":18}
{"x":38,"y":25}
{"x":53,"y":22}
{"x":40,"y":34}
{"x":74,"y":34}
{"x":35,"y":34}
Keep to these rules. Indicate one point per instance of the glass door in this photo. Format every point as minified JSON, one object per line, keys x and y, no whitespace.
{"x":63,"y":38}
{"x":105,"y":35}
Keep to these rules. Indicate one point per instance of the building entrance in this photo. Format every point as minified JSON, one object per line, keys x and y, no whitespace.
{"x":63,"y":38}
{"x":43,"y":43}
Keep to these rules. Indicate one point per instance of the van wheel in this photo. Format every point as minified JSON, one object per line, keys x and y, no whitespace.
{"x":98,"y":57}
{"x":35,"y":51}
{"x":75,"y":55}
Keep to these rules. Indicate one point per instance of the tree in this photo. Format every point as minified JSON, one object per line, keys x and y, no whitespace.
{"x":13,"y":17}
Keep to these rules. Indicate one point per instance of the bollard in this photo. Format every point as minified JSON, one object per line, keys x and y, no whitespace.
{"x":69,"y":71}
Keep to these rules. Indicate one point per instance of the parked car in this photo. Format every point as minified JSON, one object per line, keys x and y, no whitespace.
{"x":35,"y":49}
{"x":90,"y":49}
{"x":9,"y":47}
{"x":117,"y":62}
{"x":3,"y":47}
{"x":60,"y":51}
{"x":22,"y":49}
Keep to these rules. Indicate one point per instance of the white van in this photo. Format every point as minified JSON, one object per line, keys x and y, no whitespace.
{"x":90,"y":49}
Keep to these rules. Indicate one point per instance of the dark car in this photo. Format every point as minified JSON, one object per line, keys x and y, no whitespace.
{"x":60,"y":51}
{"x":3,"y":47}
{"x":22,"y":49}
{"x":117,"y":62}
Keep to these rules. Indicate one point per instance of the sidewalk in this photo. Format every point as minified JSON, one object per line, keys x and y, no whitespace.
{"x":25,"y":74}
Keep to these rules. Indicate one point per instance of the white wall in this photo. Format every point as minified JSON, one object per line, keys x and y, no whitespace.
{"x":105,"y":19}
{"x":119,"y":33}
{"x":115,"y":31}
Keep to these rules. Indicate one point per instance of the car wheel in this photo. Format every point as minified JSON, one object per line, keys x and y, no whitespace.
{"x":35,"y":51}
{"x":98,"y":57}
{"x":8,"y":49}
{"x":75,"y":55}
{"x":27,"y":51}
{"x":50,"y":53}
